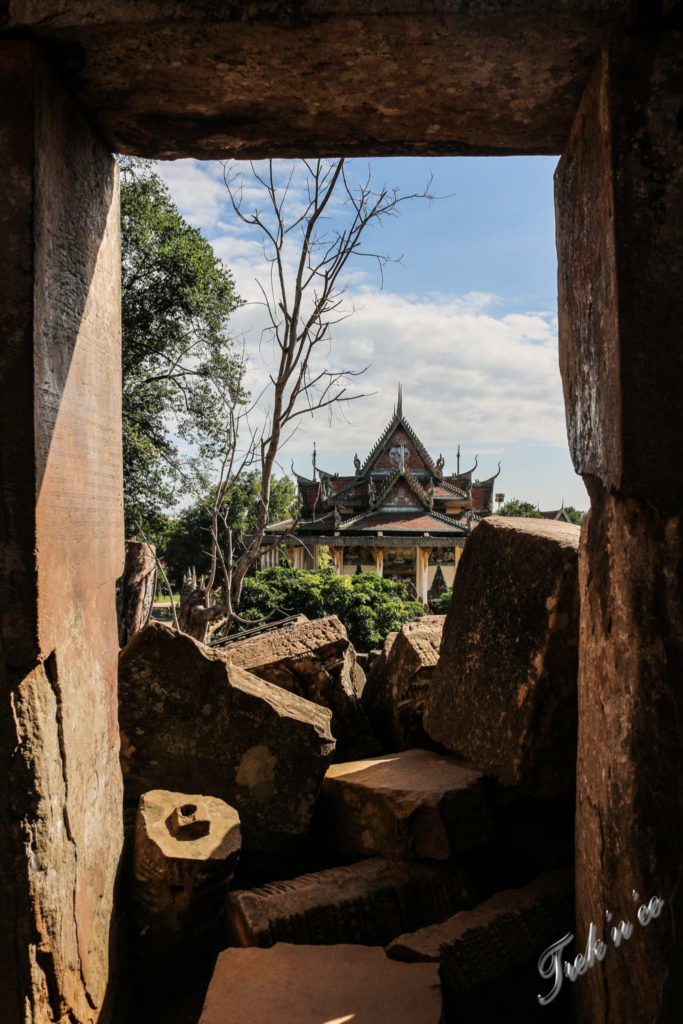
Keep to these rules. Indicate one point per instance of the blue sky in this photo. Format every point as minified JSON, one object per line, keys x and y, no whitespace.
{"x":467,"y":321}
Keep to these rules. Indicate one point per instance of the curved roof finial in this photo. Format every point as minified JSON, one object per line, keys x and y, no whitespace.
{"x":399,"y":403}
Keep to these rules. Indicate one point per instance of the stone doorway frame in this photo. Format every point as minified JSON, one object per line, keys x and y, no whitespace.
{"x":618,"y":197}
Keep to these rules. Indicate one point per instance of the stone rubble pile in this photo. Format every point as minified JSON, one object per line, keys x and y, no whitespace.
{"x":430,"y":830}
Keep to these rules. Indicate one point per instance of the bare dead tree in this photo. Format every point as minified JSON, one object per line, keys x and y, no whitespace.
{"x":304,"y":298}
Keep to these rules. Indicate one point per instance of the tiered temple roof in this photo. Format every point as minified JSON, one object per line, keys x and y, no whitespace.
{"x":399,"y":489}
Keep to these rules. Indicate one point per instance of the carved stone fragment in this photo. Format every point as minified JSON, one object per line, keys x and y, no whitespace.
{"x":488,"y":956}
{"x":366,"y":903}
{"x":186,"y":851}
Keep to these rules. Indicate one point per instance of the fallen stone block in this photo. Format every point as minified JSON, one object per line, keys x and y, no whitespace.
{"x":368,"y":903}
{"x":488,"y":956}
{"x":504,"y":692}
{"x":413,"y":804}
{"x":191,"y":720}
{"x":399,"y":682}
{"x":320,"y":985}
{"x":317,"y":661}
{"x":185,"y":853}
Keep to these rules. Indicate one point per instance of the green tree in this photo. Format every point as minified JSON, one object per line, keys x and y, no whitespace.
{"x":368,"y":605}
{"x":303,"y":299}
{"x":179,"y":364}
{"x":575,"y":515}
{"x":517,"y":507}
{"x":188,"y":543}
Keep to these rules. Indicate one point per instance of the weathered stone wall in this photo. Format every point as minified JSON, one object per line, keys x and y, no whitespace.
{"x":619,"y":195}
{"x":61,"y":472}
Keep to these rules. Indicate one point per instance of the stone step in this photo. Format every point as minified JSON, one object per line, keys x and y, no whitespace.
{"x":488,"y":956}
{"x":315,"y":984}
{"x":370,"y":902}
{"x":410,"y":805}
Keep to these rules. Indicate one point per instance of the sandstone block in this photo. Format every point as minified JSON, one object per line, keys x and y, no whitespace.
{"x":407,"y":805}
{"x":488,"y":956}
{"x":190,"y":720}
{"x":186,"y":850}
{"x":365,"y":903}
{"x":314,"y":984}
{"x":317,"y":661}
{"x":399,"y":682}
{"x":512,"y":923}
{"x":504,"y":692}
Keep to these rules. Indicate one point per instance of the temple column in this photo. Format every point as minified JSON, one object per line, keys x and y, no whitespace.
{"x":422,"y":574}
{"x":337,"y":553}
{"x":378,"y":555}
{"x":619,"y":200}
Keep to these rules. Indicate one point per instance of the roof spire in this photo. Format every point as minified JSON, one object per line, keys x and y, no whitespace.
{"x":399,"y":404}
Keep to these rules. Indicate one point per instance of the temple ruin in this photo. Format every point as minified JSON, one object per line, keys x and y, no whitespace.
{"x":597,"y":81}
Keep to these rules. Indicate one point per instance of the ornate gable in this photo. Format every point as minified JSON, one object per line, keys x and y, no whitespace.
{"x":398,"y":434}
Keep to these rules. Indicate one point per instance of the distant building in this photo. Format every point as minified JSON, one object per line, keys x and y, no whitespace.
{"x":399,"y":514}
{"x":557,"y":514}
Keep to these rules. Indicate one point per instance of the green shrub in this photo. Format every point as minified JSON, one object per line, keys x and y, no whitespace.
{"x":369,"y":606}
{"x":443,"y":602}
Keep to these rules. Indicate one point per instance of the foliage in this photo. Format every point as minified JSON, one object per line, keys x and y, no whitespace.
{"x":303,"y":300}
{"x":178,"y":361}
{"x":443,"y":602}
{"x":368,"y":605}
{"x":517,"y":507}
{"x":188,"y":543}
{"x":575,"y":515}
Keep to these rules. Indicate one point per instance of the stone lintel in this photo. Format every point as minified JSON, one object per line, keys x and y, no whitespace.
{"x":209,"y":80}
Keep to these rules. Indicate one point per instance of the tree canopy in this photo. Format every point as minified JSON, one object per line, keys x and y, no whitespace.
{"x":517,"y":507}
{"x":188,"y":542}
{"x":179,"y":363}
{"x":368,"y":605}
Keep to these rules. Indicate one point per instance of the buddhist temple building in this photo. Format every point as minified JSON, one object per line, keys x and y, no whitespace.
{"x":399,"y":514}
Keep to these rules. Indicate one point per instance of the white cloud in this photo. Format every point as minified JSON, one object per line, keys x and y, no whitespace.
{"x":473,"y":373}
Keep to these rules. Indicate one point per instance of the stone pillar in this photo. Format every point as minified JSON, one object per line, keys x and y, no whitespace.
{"x":378,"y":555}
{"x":60,"y":465}
{"x":422,"y":574}
{"x":338,"y":556}
{"x":619,"y":198}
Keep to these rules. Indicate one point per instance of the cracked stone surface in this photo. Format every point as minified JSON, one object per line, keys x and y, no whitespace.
{"x":191,"y":720}
{"x":317,"y":661}
{"x":503,"y":694}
